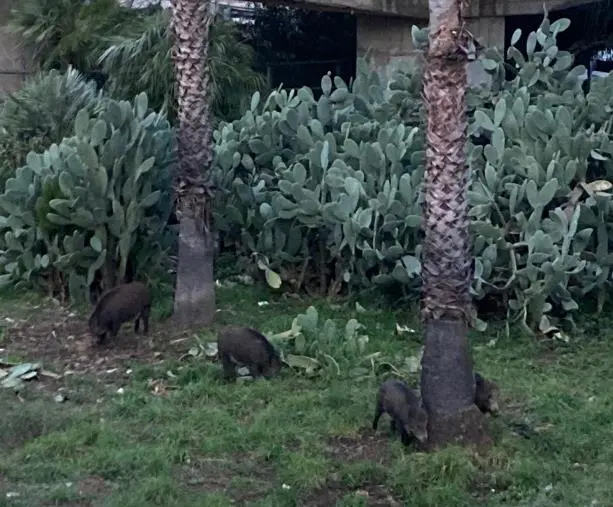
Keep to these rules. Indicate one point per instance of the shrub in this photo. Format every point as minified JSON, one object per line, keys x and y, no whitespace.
{"x":92,"y":210}
{"x":41,"y":112}
{"x":537,"y":203}
{"x":327,"y":192}
{"x":61,"y":33}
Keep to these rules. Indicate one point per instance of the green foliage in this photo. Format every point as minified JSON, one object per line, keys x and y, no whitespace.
{"x":540,"y":195}
{"x":140,"y":59}
{"x":311,"y":180}
{"x":67,"y":32}
{"x":328,"y":192}
{"x":133,"y":47}
{"x":13,"y":154}
{"x":312,"y":343}
{"x":85,"y":211}
{"x":41,"y":112}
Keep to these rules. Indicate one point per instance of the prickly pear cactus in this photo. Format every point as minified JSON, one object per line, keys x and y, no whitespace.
{"x":86,"y":206}
{"x":540,"y":204}
{"x":326,"y":191}
{"x":328,"y":185}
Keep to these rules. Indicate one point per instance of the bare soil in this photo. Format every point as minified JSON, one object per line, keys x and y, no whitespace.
{"x":60,"y":339}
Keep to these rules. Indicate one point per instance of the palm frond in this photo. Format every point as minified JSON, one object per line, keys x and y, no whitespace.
{"x":66,"y":32}
{"x":140,"y":59}
{"x":133,"y":47}
{"x":40,"y":113}
{"x":47,"y":104}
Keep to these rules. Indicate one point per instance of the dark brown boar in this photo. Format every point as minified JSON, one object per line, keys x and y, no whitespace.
{"x":405,"y":409}
{"x":120,"y":304}
{"x":244,"y":346}
{"x":486,"y":395}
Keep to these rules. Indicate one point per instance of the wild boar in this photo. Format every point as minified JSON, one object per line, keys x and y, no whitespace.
{"x":117,"y":305}
{"x":405,"y":409}
{"x":486,"y":395}
{"x":244,"y":346}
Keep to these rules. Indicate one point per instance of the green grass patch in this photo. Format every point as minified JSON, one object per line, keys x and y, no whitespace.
{"x":299,"y":441}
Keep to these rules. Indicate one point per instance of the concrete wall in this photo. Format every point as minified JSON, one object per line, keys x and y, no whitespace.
{"x":419,"y":8}
{"x":387,"y":39}
{"x":388,"y":42}
{"x":384,"y":26}
{"x":13,"y":60}
{"x":488,"y":30}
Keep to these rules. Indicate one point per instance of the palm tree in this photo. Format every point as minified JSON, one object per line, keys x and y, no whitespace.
{"x":194,"y":302}
{"x":447,"y":383}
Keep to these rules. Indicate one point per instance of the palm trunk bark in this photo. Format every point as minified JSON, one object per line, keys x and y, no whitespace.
{"x":194,"y":302}
{"x":447,"y":382}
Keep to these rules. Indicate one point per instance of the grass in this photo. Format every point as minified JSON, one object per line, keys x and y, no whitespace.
{"x":298,"y":441}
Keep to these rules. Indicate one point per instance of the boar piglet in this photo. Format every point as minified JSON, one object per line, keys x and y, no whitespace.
{"x":486,"y":395}
{"x":405,"y":409}
{"x":244,"y":346}
{"x":117,"y":305}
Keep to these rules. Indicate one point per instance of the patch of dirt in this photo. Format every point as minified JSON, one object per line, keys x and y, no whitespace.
{"x":92,"y":486}
{"x":365,"y":446}
{"x":89,"y":489}
{"x":60,"y":339}
{"x":206,"y":474}
{"x":326,"y":496}
{"x":547,"y":353}
{"x":254,"y":477}
{"x":376,"y":495}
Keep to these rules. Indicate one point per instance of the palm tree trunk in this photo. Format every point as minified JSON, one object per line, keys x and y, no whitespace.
{"x":194,"y":302}
{"x":447,"y":382}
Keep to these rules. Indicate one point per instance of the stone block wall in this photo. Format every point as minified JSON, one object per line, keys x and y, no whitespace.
{"x":14,"y":64}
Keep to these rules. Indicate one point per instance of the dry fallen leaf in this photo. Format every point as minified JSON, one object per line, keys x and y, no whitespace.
{"x":544,"y":427}
{"x":50,"y":374}
{"x":157,"y":387}
{"x":404,"y":329}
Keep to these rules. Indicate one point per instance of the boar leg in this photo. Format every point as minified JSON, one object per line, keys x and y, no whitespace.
{"x":265,"y":371}
{"x":255,"y":370}
{"x":145,"y":317}
{"x":378,"y":412}
{"x":114,"y":329}
{"x":404,"y":436}
{"x":229,"y":371}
